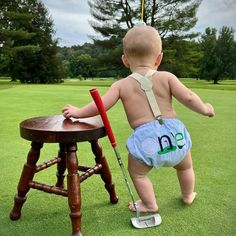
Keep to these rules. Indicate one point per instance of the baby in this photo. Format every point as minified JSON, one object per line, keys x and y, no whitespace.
{"x":159,"y":137}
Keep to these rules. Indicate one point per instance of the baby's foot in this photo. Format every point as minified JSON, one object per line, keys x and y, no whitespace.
{"x":141,"y":207}
{"x":190,"y":198}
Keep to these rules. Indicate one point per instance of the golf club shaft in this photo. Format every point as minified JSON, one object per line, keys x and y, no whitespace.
{"x":124,"y":173}
{"x":98,"y":101}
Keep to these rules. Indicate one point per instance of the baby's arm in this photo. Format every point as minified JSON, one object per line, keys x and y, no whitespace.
{"x":189,"y":98}
{"x":109,"y":99}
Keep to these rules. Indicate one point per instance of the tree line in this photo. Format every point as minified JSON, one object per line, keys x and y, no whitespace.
{"x":29,"y":53}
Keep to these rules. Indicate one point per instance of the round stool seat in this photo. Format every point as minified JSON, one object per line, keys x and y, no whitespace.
{"x":57,"y":129}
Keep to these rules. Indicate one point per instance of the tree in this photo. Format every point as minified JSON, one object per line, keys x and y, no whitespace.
{"x":81,"y":65}
{"x":10,"y":34}
{"x":113,"y":18}
{"x":218,"y":60}
{"x":225,"y":50}
{"x":80,"y":60}
{"x":26,"y":33}
{"x":173,"y":19}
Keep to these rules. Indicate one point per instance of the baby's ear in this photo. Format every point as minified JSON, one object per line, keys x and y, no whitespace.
{"x":159,"y":59}
{"x":125,"y":61}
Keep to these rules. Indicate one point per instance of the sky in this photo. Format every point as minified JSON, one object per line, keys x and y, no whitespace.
{"x":71,"y":18}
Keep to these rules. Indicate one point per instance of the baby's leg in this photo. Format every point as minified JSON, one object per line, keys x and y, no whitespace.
{"x":186,"y":178}
{"x":138,"y":173}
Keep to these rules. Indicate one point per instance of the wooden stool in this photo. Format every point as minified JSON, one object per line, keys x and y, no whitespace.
{"x":66,"y":132}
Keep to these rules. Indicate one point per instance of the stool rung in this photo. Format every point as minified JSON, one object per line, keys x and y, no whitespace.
{"x":90,"y":171}
{"x":48,"y":188}
{"x":85,"y":168}
{"x":47,"y":164}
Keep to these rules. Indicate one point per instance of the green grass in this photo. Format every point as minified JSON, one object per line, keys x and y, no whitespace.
{"x":213,"y":212}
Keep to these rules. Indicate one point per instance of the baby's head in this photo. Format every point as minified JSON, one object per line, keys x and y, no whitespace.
{"x":142,"y":45}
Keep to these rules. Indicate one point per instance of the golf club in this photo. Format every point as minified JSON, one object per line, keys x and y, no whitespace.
{"x":137,"y":222}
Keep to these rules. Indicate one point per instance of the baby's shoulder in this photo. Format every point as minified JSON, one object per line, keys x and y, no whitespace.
{"x":165,"y":75}
{"x":121,"y":84}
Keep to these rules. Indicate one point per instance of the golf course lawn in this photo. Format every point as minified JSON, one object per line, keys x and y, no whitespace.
{"x":213,"y":151}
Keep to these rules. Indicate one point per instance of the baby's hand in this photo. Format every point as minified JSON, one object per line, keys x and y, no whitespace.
{"x":210,"y":112}
{"x":70,"y":111}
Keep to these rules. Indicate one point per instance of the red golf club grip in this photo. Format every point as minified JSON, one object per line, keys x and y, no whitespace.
{"x":98,"y":101}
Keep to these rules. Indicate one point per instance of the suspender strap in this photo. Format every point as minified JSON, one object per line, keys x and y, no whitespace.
{"x":146,"y":86}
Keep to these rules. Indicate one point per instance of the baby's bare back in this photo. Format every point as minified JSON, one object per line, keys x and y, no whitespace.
{"x":135,"y":101}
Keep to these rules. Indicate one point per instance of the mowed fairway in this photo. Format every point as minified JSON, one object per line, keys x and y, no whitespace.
{"x":214,"y":152}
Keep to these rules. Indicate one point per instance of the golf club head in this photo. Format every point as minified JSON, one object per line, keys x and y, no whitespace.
{"x":146,"y":221}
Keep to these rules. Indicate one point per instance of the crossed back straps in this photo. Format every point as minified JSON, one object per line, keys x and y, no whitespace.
{"x":146,"y":85}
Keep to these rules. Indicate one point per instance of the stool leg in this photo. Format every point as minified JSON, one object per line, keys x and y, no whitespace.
{"x":73,"y":187}
{"x":105,"y":171}
{"x":61,"y":166}
{"x":26,"y":176}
